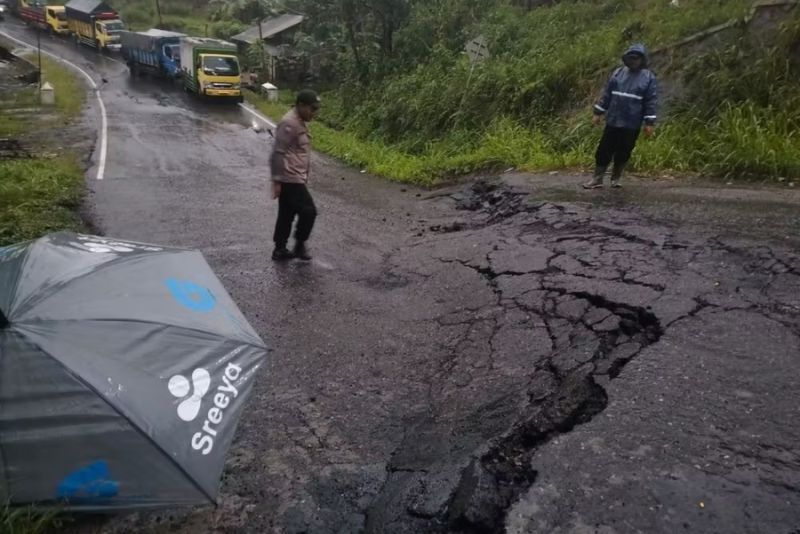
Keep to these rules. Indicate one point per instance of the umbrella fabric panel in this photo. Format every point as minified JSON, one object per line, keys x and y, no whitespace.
{"x":11,"y":260}
{"x":54,"y":260}
{"x":174,"y":288}
{"x":60,"y":440}
{"x":184,"y":389}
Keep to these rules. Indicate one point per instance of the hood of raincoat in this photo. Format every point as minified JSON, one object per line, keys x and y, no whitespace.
{"x":639,"y":49}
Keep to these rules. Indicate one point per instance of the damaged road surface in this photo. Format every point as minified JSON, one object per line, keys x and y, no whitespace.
{"x":517,"y":366}
{"x":599,"y":373}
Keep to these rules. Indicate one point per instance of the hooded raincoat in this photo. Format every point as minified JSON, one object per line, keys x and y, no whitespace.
{"x":630,"y":97}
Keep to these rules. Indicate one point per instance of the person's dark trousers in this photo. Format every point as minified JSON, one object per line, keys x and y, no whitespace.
{"x":295,"y":200}
{"x":616,"y":144}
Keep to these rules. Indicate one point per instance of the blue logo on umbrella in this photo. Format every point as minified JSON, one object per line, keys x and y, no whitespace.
{"x":193,"y":296}
{"x":91,"y":482}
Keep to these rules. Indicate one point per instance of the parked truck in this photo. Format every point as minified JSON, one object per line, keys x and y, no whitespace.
{"x":56,"y":20}
{"x":210,"y":68}
{"x":38,"y":14}
{"x":154,"y":51}
{"x":94,"y":23}
{"x":31,"y":12}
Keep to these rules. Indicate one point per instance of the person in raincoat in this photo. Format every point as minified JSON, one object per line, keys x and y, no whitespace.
{"x":630,"y":99}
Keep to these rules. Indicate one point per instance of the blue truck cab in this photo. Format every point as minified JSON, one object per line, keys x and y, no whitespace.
{"x":154,"y":51}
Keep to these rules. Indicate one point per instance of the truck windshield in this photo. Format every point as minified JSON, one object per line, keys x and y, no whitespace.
{"x":60,"y":15}
{"x":114,"y":27}
{"x":221,"y":65}
{"x":173,"y":52}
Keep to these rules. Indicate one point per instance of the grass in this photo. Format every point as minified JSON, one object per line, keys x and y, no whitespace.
{"x":42,"y":193}
{"x":27,"y":520}
{"x":434,"y":117}
{"x":10,"y":124}
{"x":176,"y":15}
{"x":69,"y":91}
{"x":528,"y":106}
{"x":743,"y":140}
{"x":501,"y":145}
{"x":38,"y":196}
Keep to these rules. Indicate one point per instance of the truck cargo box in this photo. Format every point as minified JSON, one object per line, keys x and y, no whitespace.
{"x":87,"y":10}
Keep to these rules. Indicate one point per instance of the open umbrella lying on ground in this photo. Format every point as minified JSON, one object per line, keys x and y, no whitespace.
{"x":124,"y":369}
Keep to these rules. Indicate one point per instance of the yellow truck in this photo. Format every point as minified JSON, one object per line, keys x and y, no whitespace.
{"x":37,"y":13}
{"x":94,"y":23}
{"x":210,"y":68}
{"x":56,"y":18}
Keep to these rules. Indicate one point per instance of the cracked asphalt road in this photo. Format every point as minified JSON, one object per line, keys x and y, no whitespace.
{"x":513,"y":357}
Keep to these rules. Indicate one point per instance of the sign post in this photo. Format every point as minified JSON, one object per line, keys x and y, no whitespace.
{"x":477,"y":50}
{"x":39,"y":49}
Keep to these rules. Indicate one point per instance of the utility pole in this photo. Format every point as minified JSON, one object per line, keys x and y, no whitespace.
{"x":39,"y":49}
{"x":261,"y":34}
{"x":261,"y":44}
{"x":158,"y":10}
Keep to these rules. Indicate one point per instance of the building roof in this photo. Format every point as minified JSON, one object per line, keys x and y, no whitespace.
{"x":269,"y":28}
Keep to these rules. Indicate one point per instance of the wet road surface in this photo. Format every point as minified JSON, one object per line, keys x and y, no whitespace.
{"x":515,"y":356}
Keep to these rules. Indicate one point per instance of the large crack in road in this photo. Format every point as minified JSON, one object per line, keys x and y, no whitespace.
{"x":577,"y":297}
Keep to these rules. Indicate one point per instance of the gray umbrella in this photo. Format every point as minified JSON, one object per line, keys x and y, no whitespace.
{"x":124,"y":369}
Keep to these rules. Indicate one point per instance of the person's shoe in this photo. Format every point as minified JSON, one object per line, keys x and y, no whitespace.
{"x":616,"y":176}
{"x":594,"y":183}
{"x":597,"y":180}
{"x":301,"y":252}
{"x":281,"y":254}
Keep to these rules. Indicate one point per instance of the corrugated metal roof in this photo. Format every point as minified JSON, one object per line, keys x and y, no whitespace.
{"x":269,"y":28}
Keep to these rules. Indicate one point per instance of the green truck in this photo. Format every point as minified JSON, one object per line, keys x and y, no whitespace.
{"x":210,"y":68}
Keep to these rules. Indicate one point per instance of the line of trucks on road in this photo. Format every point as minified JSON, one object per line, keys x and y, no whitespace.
{"x":207,"y":67}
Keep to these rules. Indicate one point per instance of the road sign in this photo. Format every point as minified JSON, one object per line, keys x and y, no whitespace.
{"x":478,"y":49}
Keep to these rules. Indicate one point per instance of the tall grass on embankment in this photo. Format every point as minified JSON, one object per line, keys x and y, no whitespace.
{"x":40,"y":191}
{"x":427,"y":114}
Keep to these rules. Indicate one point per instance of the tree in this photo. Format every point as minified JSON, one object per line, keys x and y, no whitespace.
{"x":248,"y":12}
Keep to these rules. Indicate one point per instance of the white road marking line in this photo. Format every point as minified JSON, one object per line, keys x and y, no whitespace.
{"x":257,"y":114}
{"x":101,"y":166}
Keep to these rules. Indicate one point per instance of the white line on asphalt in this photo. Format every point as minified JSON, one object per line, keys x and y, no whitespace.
{"x":101,"y":166}
{"x":257,"y":114}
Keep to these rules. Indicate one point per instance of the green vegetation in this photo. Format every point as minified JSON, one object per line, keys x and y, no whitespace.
{"x":70,"y":93}
{"x":419,"y":111}
{"x":404,"y":101}
{"x":191,"y":17}
{"x":39,"y":193}
{"x":10,"y":124}
{"x":27,"y":520}
{"x":37,"y":196}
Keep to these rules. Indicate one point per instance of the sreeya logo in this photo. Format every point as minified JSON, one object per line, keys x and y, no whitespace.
{"x":179,"y":387}
{"x":191,"y":405}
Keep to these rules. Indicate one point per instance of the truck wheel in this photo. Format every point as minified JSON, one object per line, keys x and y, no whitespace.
{"x":97,"y":45}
